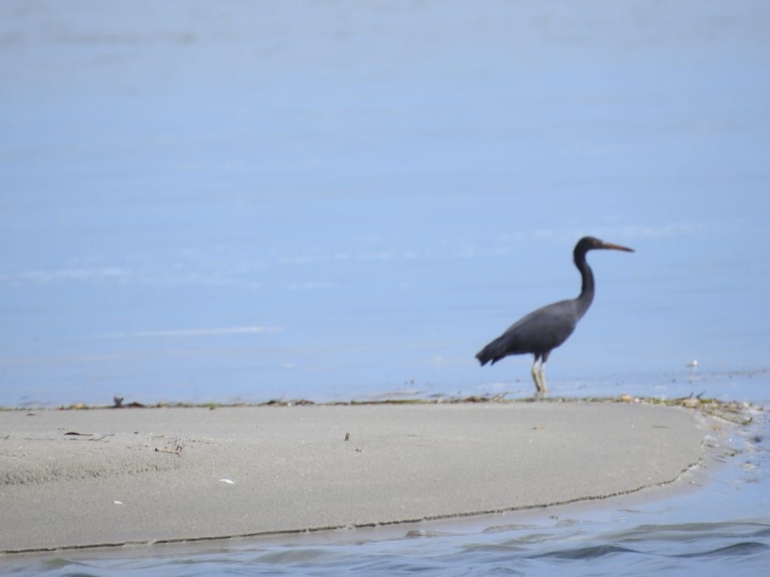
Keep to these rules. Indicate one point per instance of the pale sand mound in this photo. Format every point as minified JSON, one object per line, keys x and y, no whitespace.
{"x":292,"y":469}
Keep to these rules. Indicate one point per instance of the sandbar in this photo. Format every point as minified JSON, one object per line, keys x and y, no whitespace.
{"x":112,"y":477}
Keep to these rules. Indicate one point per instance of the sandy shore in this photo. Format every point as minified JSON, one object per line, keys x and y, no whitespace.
{"x":157,"y":475}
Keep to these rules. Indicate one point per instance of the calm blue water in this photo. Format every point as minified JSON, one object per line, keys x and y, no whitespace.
{"x":240,"y":202}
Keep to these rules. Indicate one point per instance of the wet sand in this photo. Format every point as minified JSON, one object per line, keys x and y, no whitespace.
{"x":134,"y":476}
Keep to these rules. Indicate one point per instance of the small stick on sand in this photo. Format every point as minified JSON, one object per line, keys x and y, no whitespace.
{"x":177,"y":451}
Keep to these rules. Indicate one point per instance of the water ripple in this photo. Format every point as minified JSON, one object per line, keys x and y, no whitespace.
{"x":590,"y":552}
{"x":736,"y":549}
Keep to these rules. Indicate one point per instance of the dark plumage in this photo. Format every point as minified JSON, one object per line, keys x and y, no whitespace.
{"x":543,"y":330}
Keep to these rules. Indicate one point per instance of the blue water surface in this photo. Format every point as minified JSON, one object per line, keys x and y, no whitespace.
{"x":239,"y":202}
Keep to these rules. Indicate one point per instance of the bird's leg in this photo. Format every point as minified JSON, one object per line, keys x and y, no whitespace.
{"x":537,"y":375}
{"x":541,"y":374}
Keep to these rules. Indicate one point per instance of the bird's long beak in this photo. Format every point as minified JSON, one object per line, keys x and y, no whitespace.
{"x":616,"y":247}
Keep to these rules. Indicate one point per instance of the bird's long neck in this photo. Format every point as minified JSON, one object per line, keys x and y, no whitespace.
{"x":587,"y":289}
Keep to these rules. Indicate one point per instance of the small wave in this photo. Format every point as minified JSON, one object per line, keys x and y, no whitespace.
{"x":734,"y":550}
{"x":57,"y":566}
{"x":194,"y":332}
{"x":66,"y":275}
{"x":291,"y":556}
{"x":591,"y":552}
{"x":687,"y":532}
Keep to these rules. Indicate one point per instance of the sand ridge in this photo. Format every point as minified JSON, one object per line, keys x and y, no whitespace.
{"x":174,"y":474}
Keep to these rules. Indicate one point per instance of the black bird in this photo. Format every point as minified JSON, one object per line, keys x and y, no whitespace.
{"x":543,"y":330}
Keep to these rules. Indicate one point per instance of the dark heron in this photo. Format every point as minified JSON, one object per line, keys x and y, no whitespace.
{"x":543,"y":330}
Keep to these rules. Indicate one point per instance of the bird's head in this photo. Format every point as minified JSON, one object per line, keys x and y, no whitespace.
{"x":590,"y":243}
